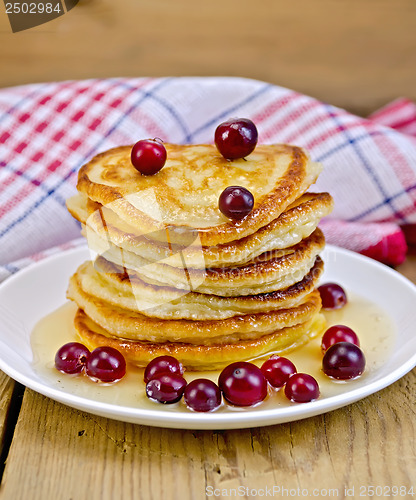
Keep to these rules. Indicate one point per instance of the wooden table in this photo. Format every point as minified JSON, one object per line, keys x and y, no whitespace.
{"x":358,"y":55}
{"x":55,"y":452}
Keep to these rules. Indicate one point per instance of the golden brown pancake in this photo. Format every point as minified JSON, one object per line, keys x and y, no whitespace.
{"x":174,"y":276}
{"x":131,"y":325}
{"x":185,"y":193}
{"x":115,"y":285}
{"x":269,"y":272}
{"x":294,"y":224}
{"x":200,"y":357}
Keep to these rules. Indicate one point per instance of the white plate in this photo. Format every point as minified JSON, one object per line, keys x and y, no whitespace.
{"x":39,"y":289}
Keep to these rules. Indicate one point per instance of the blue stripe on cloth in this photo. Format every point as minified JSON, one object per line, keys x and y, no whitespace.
{"x":355,"y":140}
{"x":379,"y":205}
{"x":10,"y":268}
{"x":167,"y":107}
{"x":231,"y":109}
{"x":362,"y":158}
{"x":348,"y":143}
{"x":143,"y":97}
{"x":24,"y":176}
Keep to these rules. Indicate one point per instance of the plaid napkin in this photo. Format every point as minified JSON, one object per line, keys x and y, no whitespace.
{"x":48,"y":131}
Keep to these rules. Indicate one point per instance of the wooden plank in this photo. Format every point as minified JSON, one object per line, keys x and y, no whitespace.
{"x":408,"y":268}
{"x":62,"y":453}
{"x":6,"y":392}
{"x":355,"y":54}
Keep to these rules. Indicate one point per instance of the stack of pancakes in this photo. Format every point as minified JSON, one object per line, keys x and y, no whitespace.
{"x":172,"y":275}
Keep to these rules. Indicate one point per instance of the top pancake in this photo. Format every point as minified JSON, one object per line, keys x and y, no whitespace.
{"x":184,"y":194}
{"x":297,"y":222}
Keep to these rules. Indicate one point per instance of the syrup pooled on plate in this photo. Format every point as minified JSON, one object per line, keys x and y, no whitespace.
{"x":372,"y":325}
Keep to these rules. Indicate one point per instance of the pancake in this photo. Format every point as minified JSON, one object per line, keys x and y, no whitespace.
{"x":294,"y":224}
{"x":127,"y":324}
{"x":172,"y":275}
{"x":200,"y":357}
{"x":185,"y":193}
{"x":269,"y":272}
{"x":115,"y":285}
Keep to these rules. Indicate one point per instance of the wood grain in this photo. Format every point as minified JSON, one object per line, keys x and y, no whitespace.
{"x":408,"y":268}
{"x":353,"y":53}
{"x":6,"y":392}
{"x":61,"y":453}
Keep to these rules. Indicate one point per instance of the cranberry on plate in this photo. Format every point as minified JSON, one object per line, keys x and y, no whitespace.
{"x":243,"y":384}
{"x":302,"y":388}
{"x":71,"y":357}
{"x":277,"y":370}
{"x":343,"y":361}
{"x":333,"y":296}
{"x":166,"y":388}
{"x":202,"y":395}
{"x":338,"y":333}
{"x":162,"y":364}
{"x":106,"y":364}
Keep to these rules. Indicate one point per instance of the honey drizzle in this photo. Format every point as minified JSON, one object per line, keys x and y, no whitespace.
{"x":373,"y":327}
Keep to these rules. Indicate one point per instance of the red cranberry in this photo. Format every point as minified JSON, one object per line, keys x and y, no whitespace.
{"x":277,"y":371}
{"x":148,"y":156}
{"x":162,"y":364}
{"x":236,"y":138}
{"x":243,"y":384}
{"x":339,"y":333}
{"x":343,"y":361}
{"x":333,"y":296}
{"x":202,"y":395}
{"x":106,"y":364}
{"x":71,"y":357}
{"x":236,"y":202}
{"x":302,"y":388}
{"x":166,"y":388}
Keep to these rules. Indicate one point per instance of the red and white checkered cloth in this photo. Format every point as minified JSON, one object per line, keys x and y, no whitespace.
{"x":48,"y":131}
